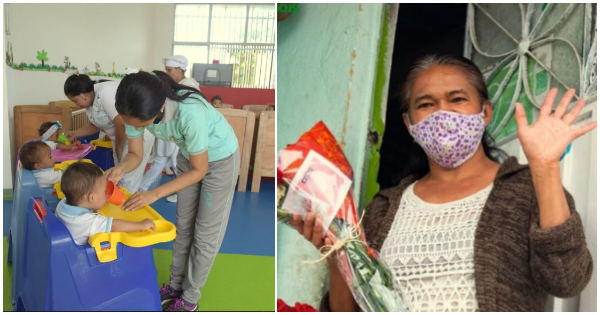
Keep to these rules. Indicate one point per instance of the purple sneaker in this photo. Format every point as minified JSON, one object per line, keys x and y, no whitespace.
{"x":181,"y":306}
{"x":167,"y":294}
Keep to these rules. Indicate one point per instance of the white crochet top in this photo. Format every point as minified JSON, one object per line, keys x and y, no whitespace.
{"x":430,"y":251}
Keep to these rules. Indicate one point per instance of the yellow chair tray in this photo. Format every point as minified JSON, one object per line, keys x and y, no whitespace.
{"x":62,"y":166}
{"x":101,"y":143}
{"x":164,"y":231}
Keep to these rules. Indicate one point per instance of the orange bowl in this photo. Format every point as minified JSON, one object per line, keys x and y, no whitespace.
{"x":115,"y":196}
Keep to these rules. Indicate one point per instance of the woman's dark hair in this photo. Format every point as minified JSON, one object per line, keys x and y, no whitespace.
{"x":141,"y":95}
{"x":80,"y":83}
{"x":417,"y":162}
{"x":217,"y":97}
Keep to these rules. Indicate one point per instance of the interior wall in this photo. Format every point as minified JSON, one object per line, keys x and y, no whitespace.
{"x":6,"y":169}
{"x":131,"y":35}
{"x":162,"y":37}
{"x":326,"y":65}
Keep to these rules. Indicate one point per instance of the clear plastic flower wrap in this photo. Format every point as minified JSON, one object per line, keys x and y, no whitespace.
{"x":313,"y":175}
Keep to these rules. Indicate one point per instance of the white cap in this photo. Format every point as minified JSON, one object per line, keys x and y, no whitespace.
{"x":176,"y":61}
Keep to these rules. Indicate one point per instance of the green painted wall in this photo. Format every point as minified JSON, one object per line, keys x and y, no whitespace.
{"x":384,"y":62}
{"x":326,"y":70}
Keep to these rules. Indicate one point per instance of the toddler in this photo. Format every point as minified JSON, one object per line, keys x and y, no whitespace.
{"x":49,"y":132}
{"x":84,"y":187}
{"x":37,"y":157}
{"x":216,"y":101}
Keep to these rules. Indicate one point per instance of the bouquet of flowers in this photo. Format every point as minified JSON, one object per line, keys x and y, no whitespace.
{"x":314,"y":175}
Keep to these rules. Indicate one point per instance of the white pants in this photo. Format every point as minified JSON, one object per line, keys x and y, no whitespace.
{"x":166,"y":152}
{"x":132,"y":180}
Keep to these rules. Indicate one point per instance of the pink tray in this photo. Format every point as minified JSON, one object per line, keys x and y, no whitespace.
{"x":60,"y":155}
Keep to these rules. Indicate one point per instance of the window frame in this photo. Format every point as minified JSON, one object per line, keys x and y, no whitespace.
{"x":246,"y":44}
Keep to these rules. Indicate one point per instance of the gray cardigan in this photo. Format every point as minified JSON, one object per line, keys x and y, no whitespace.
{"x":516,"y":263}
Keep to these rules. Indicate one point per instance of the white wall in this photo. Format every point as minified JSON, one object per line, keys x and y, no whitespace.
{"x":131,"y":35}
{"x":6,"y":170}
{"x":589,"y":297}
{"x":163,"y":34}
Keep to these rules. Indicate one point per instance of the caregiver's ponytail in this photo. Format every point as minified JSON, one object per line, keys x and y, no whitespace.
{"x":176,"y":87}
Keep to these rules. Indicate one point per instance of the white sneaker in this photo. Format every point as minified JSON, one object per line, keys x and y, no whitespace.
{"x":172,"y":198}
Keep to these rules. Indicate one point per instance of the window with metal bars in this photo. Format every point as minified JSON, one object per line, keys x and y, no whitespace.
{"x":238,"y":34}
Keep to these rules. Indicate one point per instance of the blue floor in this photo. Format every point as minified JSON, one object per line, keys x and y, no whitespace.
{"x":251,"y":227}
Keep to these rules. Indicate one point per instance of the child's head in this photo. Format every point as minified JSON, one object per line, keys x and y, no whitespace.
{"x":216,"y":101}
{"x":84,"y":185}
{"x":45,"y":127}
{"x":36,"y":155}
{"x":271,"y":108}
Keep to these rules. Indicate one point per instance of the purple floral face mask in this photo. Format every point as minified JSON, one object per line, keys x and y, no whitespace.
{"x":449,"y":138}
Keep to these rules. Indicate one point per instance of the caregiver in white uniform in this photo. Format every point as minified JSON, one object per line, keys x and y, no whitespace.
{"x":175,"y":67}
{"x":99,"y":102}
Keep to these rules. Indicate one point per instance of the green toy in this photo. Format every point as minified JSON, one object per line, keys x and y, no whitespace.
{"x":63,"y":139}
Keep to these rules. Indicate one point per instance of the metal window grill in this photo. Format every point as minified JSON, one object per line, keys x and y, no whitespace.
{"x":238,"y":34}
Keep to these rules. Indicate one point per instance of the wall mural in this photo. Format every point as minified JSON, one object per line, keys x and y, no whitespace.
{"x":66,"y":67}
{"x":525,"y":49}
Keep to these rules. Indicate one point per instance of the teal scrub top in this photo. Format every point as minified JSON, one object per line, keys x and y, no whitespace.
{"x":194,"y":126}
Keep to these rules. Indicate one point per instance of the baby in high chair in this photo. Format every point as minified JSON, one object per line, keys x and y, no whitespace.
{"x":84,"y":187}
{"x":36,"y":156}
{"x":49,"y":132}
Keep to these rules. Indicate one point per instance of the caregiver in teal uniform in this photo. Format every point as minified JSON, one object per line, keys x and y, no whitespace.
{"x":207,"y":170}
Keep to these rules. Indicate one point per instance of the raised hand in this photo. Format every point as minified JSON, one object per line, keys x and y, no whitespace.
{"x":546,"y":140}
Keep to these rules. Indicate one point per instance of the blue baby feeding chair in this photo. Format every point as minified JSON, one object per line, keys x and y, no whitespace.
{"x":52,"y":273}
{"x":58,"y":275}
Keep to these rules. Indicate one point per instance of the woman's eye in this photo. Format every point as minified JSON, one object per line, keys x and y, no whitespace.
{"x":424,"y":105}
{"x":458,"y":100}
